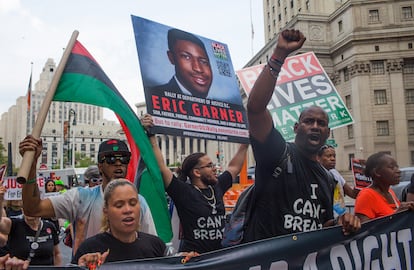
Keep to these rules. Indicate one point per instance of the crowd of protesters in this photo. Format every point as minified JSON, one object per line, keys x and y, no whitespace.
{"x":110,"y":221}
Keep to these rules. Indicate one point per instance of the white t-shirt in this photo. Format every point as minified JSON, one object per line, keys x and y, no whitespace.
{"x":87,"y":203}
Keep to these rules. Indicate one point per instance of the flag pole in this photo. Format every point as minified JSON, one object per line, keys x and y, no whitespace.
{"x":28,"y":156}
{"x":30,"y":99}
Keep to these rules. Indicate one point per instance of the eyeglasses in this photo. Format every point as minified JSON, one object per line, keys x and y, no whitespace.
{"x":113,"y":159}
{"x":95,"y":180}
{"x":210,"y":165}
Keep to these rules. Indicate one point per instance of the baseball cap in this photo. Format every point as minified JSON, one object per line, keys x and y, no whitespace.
{"x":113,"y":146}
{"x":59,"y":183}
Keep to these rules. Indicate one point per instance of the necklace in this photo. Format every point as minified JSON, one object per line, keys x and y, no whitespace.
{"x":211,"y":198}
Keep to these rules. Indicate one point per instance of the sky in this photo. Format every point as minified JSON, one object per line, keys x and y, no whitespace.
{"x":35,"y":30}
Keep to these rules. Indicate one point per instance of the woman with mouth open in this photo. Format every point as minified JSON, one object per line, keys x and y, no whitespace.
{"x":120,"y":239}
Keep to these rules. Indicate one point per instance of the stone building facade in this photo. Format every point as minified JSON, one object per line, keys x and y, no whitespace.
{"x":366,"y":47}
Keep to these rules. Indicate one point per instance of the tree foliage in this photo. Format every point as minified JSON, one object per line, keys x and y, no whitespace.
{"x":3,"y":155}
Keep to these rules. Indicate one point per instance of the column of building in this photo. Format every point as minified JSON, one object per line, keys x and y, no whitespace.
{"x":396,"y":81}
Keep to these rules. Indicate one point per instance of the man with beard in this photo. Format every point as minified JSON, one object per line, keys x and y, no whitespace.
{"x":82,"y":205}
{"x":293,"y":192}
{"x":199,"y":203}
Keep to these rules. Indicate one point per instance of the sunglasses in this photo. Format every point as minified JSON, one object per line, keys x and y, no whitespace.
{"x":113,"y":159}
{"x":95,"y":180}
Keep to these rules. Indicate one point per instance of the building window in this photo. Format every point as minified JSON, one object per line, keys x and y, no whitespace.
{"x":378,"y":67}
{"x":348,"y":101}
{"x":380,"y":97}
{"x":382,"y":128}
{"x":410,"y":127}
{"x":346,"y":74}
{"x":279,"y":17}
{"x":291,"y":3}
{"x":285,"y":10}
{"x":373,"y":15}
{"x":408,"y":66}
{"x":410,"y":45}
{"x":340,"y":27}
{"x":407,"y":12}
{"x":376,"y":48}
{"x":350,"y":131}
{"x":409,"y":96}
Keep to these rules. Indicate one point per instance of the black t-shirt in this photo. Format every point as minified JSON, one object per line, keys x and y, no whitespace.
{"x":145,"y":246}
{"x":202,"y":226}
{"x":22,"y":236}
{"x":299,"y":200}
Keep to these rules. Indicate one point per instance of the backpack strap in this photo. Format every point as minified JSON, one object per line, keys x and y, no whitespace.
{"x":284,"y":163}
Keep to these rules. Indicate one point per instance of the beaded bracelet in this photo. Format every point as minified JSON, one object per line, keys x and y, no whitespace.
{"x":31,"y":181}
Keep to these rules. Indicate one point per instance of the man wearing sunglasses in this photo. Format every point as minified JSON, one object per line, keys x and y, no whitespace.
{"x":92,"y":176}
{"x":82,"y":205}
{"x":199,"y":203}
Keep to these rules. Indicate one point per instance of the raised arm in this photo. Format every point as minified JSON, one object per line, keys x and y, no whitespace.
{"x":32,"y":204}
{"x":167,"y":175}
{"x":260,"y":120}
{"x":236,"y":163}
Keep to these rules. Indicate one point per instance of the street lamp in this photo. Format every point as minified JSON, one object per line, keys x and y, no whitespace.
{"x":71,"y":152}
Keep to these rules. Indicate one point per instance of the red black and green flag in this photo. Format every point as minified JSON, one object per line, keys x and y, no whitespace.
{"x":84,"y":81}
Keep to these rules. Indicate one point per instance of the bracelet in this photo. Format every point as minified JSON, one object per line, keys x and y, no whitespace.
{"x":273,"y":71}
{"x":31,"y":181}
{"x":150,"y":134}
{"x":277,"y":62}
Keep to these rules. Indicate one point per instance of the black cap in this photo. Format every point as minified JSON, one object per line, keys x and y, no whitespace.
{"x":113,"y":146}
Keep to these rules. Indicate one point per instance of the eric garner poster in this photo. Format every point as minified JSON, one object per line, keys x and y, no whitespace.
{"x":190,"y":86}
{"x":302,"y":82}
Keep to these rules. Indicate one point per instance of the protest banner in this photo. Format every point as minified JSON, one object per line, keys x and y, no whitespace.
{"x":383,"y":243}
{"x":301,"y":83}
{"x":14,"y":189}
{"x":191,"y":91}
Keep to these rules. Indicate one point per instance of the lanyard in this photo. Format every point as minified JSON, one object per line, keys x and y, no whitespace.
{"x":35,"y":245}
